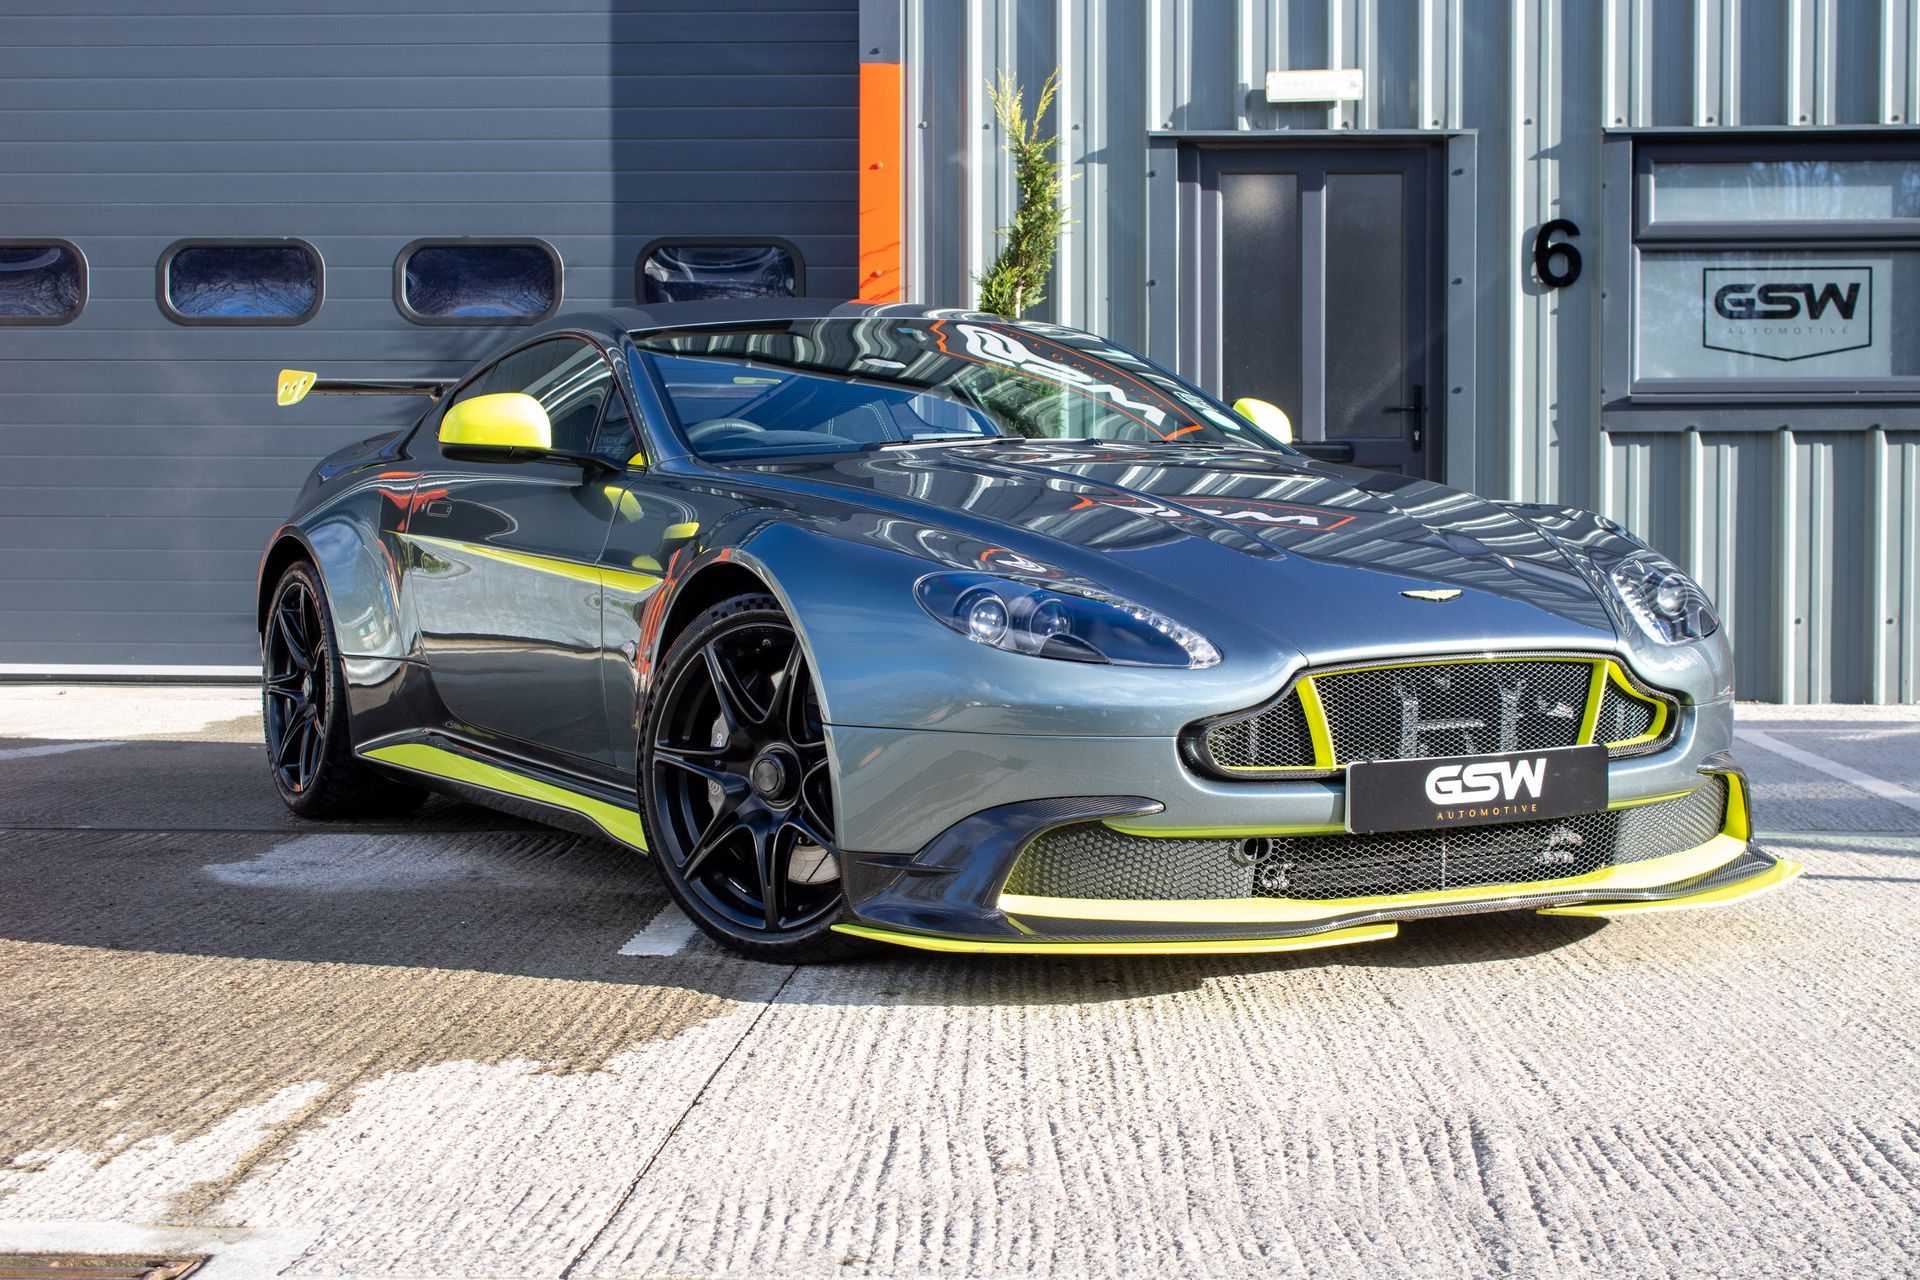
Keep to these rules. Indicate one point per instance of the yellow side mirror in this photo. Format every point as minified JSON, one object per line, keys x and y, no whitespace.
{"x":507,"y":420}
{"x":1267,"y":416}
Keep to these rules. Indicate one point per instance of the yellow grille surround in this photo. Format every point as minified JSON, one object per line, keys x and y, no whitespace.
{"x":1607,"y":678}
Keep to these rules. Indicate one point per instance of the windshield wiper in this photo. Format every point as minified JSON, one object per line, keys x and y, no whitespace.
{"x":939,"y":438}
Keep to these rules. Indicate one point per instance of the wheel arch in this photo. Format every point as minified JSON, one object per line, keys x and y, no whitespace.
{"x":286,"y":548}
{"x":775,"y":561}
{"x":705,"y":587}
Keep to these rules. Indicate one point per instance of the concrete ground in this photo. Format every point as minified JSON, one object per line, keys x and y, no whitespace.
{"x":466,"y":1046}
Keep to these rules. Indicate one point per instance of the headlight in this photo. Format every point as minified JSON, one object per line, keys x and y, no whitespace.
{"x":1059,"y":620}
{"x":1669,"y":606}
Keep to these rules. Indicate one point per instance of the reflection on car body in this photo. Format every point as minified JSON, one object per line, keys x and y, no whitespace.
{"x":891,"y":624}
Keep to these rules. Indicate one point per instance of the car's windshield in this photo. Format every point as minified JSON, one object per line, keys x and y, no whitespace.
{"x":829,"y":386}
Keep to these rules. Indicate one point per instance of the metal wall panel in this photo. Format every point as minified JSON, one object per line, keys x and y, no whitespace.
{"x":1819,"y":586}
{"x":142,"y":465}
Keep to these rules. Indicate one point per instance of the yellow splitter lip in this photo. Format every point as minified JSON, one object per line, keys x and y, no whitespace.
{"x":1753,"y":886}
{"x":1629,"y":880}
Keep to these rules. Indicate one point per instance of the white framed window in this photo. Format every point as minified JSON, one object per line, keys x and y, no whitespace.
{"x":1768,"y":266}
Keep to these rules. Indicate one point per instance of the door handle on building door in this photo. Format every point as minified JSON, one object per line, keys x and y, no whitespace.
{"x":1419,"y":411}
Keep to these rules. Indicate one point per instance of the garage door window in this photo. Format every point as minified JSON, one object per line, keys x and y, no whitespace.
{"x":477,"y":281}
{"x":1783,"y":267}
{"x":689,"y":270}
{"x":41,"y":282}
{"x":240,"y":282}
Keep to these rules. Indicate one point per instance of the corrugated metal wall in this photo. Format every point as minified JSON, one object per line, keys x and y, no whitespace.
{"x":1805,"y":537}
{"x":142,"y":465}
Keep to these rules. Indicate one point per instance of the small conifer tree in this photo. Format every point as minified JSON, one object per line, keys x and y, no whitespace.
{"x":1017,"y":280}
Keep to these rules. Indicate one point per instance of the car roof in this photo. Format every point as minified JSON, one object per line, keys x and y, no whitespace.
{"x":675,"y":315}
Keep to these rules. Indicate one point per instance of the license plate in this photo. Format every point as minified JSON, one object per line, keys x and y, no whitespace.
{"x":1475,"y":791}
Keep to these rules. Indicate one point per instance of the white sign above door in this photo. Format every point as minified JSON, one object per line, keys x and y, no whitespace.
{"x":1347,"y":84}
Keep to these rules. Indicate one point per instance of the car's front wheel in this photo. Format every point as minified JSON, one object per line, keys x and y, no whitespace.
{"x":736,"y":789}
{"x":304,"y":712}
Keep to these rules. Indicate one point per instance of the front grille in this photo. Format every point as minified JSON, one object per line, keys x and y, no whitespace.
{"x":1094,"y":861}
{"x":1454,"y":709}
{"x":1418,"y":711}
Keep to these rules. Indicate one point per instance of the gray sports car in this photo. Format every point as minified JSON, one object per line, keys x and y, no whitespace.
{"x":888,"y":624}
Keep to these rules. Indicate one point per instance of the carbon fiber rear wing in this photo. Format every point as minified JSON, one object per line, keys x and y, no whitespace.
{"x":297,"y":384}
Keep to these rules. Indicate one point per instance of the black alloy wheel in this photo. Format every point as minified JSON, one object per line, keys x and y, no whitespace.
{"x":304,"y":712}
{"x":738,"y":791}
{"x":297,"y":687}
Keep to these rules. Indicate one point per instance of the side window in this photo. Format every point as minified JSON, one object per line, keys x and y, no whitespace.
{"x":567,"y":376}
{"x":240,"y":282}
{"x":41,"y":281}
{"x":477,"y":281}
{"x":695,"y":269}
{"x":616,"y":438}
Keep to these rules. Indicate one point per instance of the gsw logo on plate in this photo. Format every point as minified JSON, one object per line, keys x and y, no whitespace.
{"x":1488,"y":780}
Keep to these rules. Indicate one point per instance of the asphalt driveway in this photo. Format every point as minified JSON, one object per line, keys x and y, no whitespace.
{"x":469,"y":1046}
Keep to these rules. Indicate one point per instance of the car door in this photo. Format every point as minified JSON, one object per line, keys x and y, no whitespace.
{"x":655,"y":517}
{"x":502,"y":561}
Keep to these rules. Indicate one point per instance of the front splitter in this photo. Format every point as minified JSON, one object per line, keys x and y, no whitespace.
{"x":1720,"y":890}
{"x":1222,"y":947}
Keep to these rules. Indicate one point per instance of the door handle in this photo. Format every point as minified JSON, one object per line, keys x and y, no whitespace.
{"x":1418,"y":408}
{"x":439,"y":507}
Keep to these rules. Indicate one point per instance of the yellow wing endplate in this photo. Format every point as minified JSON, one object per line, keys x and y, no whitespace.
{"x":294,"y":385}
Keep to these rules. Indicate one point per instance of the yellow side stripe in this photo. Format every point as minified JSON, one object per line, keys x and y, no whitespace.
{"x":1229,"y":947}
{"x":1772,"y":878}
{"x":595,"y":575}
{"x":622,"y":824}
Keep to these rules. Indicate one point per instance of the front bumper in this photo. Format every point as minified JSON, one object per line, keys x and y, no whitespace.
{"x":952,"y":895}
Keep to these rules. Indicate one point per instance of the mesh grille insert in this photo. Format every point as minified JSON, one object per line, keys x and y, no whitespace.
{"x":1277,"y":738}
{"x":1454,"y":709}
{"x":1424,"y":711}
{"x":1092,"y":860}
{"x":1622,"y":718}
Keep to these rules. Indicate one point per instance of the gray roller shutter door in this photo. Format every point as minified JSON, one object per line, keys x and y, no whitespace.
{"x":143,"y":464}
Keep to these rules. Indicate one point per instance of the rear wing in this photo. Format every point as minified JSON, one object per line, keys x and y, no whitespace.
{"x":297,"y":384}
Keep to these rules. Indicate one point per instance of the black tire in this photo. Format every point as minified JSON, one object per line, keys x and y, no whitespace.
{"x":304,"y":713}
{"x":735,"y":792}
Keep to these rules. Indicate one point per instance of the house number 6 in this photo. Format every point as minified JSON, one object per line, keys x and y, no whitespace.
{"x":1556,"y":263}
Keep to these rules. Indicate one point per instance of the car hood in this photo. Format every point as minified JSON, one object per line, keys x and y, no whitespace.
{"x":1317,"y":556}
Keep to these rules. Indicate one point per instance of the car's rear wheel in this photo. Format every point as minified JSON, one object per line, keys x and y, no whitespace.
{"x":736,"y":789}
{"x":304,"y":712}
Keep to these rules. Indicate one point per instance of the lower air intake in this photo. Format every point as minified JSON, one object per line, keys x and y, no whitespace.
{"x":1091,"y":860}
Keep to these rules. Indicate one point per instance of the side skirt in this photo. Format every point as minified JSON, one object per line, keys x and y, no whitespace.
{"x":515,"y":786}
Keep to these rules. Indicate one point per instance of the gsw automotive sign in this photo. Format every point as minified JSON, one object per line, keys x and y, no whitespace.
{"x":1471,"y":791}
{"x":1787,"y":313}
{"x":1507,"y":780}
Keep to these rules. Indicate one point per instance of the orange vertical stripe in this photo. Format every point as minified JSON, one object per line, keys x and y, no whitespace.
{"x":882,"y":178}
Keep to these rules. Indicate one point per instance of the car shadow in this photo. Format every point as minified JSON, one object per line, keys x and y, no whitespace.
{"x":183,"y":848}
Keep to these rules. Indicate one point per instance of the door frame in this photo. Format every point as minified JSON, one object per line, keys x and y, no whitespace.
{"x":1184,"y":324}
